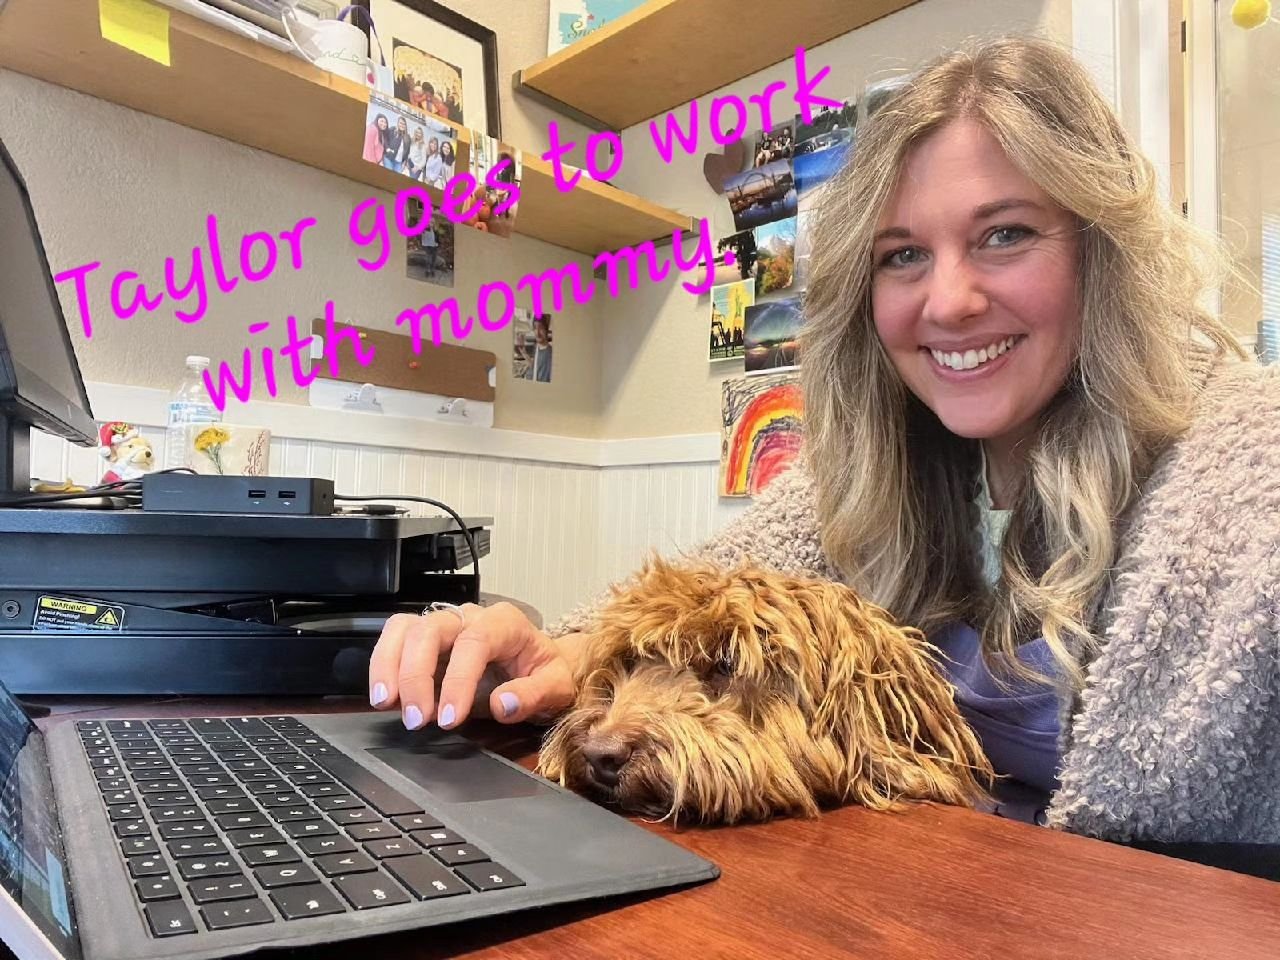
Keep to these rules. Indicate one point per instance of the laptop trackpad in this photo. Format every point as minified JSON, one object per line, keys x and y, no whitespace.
{"x":457,"y":771}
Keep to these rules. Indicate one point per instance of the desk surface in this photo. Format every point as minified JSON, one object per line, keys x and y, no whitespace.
{"x":927,"y":882}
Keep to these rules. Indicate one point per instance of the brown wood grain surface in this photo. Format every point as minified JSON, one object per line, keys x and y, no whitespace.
{"x":935,"y":882}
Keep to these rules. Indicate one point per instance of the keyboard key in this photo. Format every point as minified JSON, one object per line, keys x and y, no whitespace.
{"x":113,"y":783}
{"x":99,"y":762}
{"x":286,"y":875}
{"x":152,"y":774}
{"x":397,"y":847}
{"x":455,"y":855}
{"x":156,"y":888}
{"x":119,"y":796}
{"x":276,"y":853}
{"x":372,"y":831}
{"x":316,"y":846}
{"x":169,"y":919}
{"x":132,"y":828}
{"x":209,"y":725}
{"x":418,"y":821}
{"x":248,"y":726}
{"x":345,"y":818}
{"x":218,"y":793}
{"x":329,"y":789}
{"x":108,"y":773}
{"x":177,"y":814}
{"x":149,"y":866}
{"x":153,"y":754}
{"x":138,"y":845}
{"x":316,"y":777}
{"x":211,"y":847}
{"x":260,"y":787}
{"x":210,"y":779}
{"x":273,"y":749}
{"x":290,"y":814}
{"x":489,"y":876}
{"x":249,"y":838}
{"x":201,"y":761}
{"x":92,"y":741}
{"x":179,"y":831}
{"x":297,"y":766}
{"x":242,"y":821}
{"x":149,"y":787}
{"x":197,"y":868}
{"x":149,"y":764}
{"x":128,"y":726}
{"x":341,"y":864}
{"x":425,"y":878}
{"x":308,"y":828}
{"x":96,"y":752}
{"x":339,"y":801}
{"x":124,"y":811}
{"x":221,"y":888}
{"x":168,"y":799}
{"x":436,"y":838}
{"x":231,"y":805}
{"x":238,"y":913}
{"x":285,"y":799}
{"x":208,"y":769}
{"x":89,"y":726}
{"x":309,"y":901}
{"x":366,"y":890}
{"x":167,"y":724}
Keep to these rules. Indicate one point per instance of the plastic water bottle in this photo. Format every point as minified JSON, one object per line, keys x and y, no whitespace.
{"x":188,"y":404}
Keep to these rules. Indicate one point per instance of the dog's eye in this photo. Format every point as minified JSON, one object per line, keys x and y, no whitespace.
{"x":723,"y":667}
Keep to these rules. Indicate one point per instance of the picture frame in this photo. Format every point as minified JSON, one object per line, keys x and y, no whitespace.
{"x":428,"y":44}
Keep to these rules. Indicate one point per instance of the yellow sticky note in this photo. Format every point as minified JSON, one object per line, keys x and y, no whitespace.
{"x":139,"y":25}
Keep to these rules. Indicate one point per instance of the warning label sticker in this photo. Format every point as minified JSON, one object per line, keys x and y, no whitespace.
{"x":66,"y":613}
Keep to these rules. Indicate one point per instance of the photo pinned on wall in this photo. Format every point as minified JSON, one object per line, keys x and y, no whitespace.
{"x":762,"y":420}
{"x":499,"y":204}
{"x":762,"y":195}
{"x":441,"y":62}
{"x":743,"y":245}
{"x":771,"y":335}
{"x":408,"y":142}
{"x":531,"y":333}
{"x":571,"y":20}
{"x":429,"y":253}
{"x":773,"y":145}
{"x":426,"y":82}
{"x":775,"y":258}
{"x":826,"y":145}
{"x":729,"y":305}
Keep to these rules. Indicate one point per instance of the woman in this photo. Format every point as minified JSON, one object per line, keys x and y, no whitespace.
{"x":1024,"y":436}
{"x":446,"y":163}
{"x":375,"y":138}
{"x":431,"y":172}
{"x":417,"y":160}
{"x":395,"y":146}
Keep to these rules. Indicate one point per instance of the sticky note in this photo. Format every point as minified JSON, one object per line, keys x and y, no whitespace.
{"x":139,"y":25}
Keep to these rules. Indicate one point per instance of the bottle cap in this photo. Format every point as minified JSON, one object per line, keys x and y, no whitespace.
{"x":203,"y":361}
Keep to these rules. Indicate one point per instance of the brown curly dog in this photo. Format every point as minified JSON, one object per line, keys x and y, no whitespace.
{"x":717,"y":697}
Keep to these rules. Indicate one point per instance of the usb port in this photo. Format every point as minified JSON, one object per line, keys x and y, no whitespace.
{"x":287,"y":495}
{"x":257,"y":494}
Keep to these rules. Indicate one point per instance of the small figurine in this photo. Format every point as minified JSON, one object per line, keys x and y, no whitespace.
{"x":127,"y":452}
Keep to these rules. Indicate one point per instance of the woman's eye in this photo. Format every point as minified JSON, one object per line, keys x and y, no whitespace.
{"x":1006,"y":236}
{"x":902,"y":257}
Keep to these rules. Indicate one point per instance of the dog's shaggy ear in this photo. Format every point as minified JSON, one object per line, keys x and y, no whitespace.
{"x":888,"y":711}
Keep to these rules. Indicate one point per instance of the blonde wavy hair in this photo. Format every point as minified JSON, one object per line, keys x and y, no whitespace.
{"x":895,"y":489}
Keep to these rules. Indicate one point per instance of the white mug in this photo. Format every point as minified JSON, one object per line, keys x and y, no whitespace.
{"x":333,"y":45}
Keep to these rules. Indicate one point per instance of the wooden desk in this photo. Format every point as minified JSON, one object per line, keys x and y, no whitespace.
{"x":931,"y":882}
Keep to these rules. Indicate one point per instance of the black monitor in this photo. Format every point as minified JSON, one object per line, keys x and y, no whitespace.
{"x":40,"y":382}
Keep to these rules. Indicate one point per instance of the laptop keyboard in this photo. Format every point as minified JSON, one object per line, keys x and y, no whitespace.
{"x":255,"y":820}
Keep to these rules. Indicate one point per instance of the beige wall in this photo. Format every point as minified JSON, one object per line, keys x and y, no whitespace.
{"x":129,"y":190}
{"x":656,"y":378}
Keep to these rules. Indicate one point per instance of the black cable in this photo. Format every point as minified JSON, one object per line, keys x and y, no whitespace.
{"x":471,"y":543}
{"x":129,"y":489}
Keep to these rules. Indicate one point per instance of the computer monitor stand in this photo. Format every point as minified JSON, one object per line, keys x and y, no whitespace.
{"x":15,"y":456}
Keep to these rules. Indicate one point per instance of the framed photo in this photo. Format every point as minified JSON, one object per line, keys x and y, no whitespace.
{"x":441,"y":62}
{"x":571,"y":20}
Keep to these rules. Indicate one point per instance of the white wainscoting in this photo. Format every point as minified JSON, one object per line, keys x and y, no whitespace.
{"x":570,"y":515}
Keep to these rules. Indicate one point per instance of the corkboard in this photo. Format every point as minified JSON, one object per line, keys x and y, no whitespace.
{"x":448,"y":370}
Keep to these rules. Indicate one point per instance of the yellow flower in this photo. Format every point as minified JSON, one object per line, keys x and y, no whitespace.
{"x":210,"y":436}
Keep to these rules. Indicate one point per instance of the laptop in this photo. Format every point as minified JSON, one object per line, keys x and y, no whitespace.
{"x":219,"y":836}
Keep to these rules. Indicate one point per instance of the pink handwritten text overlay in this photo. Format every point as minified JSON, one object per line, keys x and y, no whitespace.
{"x":188,"y":281}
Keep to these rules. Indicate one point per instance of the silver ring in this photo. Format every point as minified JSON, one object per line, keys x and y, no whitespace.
{"x":436,"y":606}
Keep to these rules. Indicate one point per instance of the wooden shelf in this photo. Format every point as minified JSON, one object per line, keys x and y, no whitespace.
{"x":231,"y":86}
{"x":668,"y":52}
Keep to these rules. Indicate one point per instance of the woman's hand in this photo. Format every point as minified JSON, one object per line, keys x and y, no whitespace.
{"x":534,"y":677}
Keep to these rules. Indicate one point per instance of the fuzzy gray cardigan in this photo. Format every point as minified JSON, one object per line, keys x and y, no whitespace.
{"x":1175,"y":734}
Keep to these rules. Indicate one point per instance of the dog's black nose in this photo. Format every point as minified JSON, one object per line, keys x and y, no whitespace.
{"x":606,"y":757}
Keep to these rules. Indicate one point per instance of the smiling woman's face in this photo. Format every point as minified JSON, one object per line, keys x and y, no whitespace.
{"x":974,"y":292}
